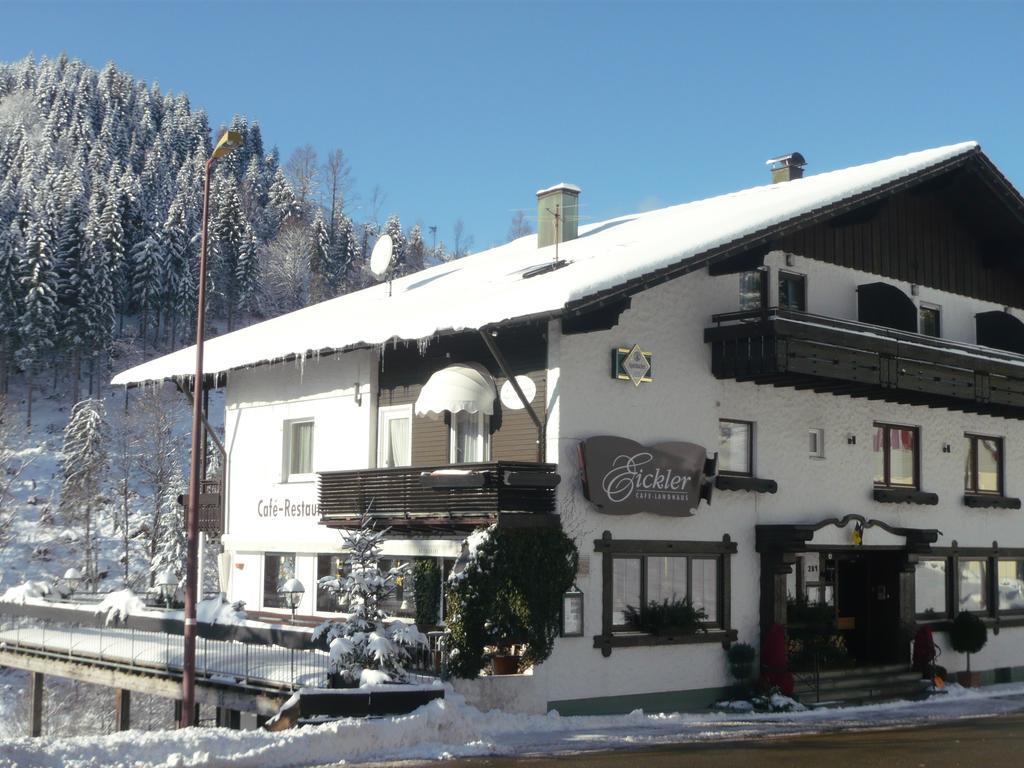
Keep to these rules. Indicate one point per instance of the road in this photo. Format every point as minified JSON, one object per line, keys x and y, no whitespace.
{"x":993,"y":742}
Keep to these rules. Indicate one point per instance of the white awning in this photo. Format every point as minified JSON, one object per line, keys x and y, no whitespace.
{"x":462,"y":387}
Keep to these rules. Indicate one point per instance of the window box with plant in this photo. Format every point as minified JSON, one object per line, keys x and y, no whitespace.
{"x":664,"y":592}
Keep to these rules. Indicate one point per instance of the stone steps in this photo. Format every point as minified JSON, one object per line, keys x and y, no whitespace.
{"x":860,"y":685}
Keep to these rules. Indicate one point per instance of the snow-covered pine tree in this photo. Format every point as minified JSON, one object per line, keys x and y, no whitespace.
{"x":11,"y":248}
{"x":147,"y":262}
{"x":84,"y":463}
{"x":368,"y":646}
{"x":347,"y":275}
{"x":415,"y":250}
{"x":321,"y":269}
{"x":37,"y":326}
{"x":393,"y":227}
{"x":169,"y":546}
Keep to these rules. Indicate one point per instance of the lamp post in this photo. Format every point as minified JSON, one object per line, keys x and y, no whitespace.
{"x":167,"y":583}
{"x":72,"y":577}
{"x":292,"y":592}
{"x":228,"y":142}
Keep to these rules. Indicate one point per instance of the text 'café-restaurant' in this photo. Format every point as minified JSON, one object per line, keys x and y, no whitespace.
{"x":800,"y":399}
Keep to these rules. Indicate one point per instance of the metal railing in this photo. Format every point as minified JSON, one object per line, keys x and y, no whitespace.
{"x":152,"y":650}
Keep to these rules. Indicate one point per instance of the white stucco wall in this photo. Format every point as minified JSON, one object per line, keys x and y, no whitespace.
{"x":684,"y":402}
{"x":264,"y":512}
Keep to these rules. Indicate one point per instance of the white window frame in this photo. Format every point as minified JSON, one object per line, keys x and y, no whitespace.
{"x":385,"y":414}
{"x":483,"y":426}
{"x":816,"y":443}
{"x":286,"y":464}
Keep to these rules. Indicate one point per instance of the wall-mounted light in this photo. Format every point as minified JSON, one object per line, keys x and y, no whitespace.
{"x":851,"y":439}
{"x":572,"y":613}
{"x":358,"y":397}
{"x":946,"y":448}
{"x":914,"y":289}
{"x":790,"y":260}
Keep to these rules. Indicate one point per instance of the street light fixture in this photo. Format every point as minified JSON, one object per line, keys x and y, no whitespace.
{"x":292,"y":592}
{"x":72,"y":577}
{"x":228,"y":142}
{"x":167,"y":583}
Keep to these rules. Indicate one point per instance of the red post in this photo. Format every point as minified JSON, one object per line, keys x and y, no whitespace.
{"x":188,"y":676}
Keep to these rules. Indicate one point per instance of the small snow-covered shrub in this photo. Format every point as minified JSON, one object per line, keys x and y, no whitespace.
{"x":369,"y":646}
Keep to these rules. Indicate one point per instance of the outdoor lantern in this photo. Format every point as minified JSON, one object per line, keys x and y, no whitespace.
{"x":572,"y":613}
{"x":167,"y":583}
{"x":292,"y":592}
{"x":72,"y":577}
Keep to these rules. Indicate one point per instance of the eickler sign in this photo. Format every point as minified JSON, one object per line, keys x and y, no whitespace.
{"x":623,"y":477}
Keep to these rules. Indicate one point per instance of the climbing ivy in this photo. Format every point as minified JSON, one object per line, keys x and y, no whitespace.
{"x":426,"y":576}
{"x":509,"y":593}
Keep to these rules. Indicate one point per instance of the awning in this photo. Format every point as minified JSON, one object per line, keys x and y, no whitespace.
{"x":462,"y":387}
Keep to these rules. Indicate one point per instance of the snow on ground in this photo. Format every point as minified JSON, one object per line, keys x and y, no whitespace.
{"x":450,"y":728}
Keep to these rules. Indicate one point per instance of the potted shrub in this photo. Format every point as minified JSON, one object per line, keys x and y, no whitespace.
{"x":741,"y":661}
{"x":968,"y":634}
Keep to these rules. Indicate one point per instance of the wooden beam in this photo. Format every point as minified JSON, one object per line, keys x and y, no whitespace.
{"x":122,"y":709}
{"x":35,"y":704}
{"x":245,"y":700}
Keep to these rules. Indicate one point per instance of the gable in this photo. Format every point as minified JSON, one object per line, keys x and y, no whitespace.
{"x":957,"y":233}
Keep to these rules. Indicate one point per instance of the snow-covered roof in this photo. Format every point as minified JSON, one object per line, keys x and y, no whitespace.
{"x":488,"y":287}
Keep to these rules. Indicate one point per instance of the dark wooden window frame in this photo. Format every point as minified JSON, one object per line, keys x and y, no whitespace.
{"x":765,"y":294}
{"x":925,"y":307}
{"x":886,"y":451}
{"x":785,"y":274}
{"x":972,"y":488}
{"x":750,"y":448}
{"x":993,"y":617}
{"x":923,"y":617}
{"x":616,"y":636}
{"x":275,"y":601}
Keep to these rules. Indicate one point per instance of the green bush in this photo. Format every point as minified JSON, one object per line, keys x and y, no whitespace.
{"x":741,"y":653}
{"x":510,"y":593}
{"x":968,"y":634}
{"x":426,"y":585}
{"x":668,"y":617}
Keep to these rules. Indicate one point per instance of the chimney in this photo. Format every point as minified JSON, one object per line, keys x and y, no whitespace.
{"x":558,"y":214}
{"x":787,"y":167}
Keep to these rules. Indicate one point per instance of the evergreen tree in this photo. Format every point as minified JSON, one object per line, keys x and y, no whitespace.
{"x":37,"y":325}
{"x":84,"y":463}
{"x":320,"y":267}
{"x":147,"y":262}
{"x":369,"y":640}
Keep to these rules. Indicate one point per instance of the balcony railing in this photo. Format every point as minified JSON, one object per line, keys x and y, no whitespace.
{"x":442,"y":498}
{"x":789,"y":348}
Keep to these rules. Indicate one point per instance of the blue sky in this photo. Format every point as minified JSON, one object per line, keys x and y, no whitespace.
{"x":465,"y":109}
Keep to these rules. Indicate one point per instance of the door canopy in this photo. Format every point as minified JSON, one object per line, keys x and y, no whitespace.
{"x":463,"y":387}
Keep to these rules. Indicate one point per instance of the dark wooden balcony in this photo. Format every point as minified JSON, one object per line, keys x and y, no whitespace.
{"x":442,"y":499}
{"x":798,"y":349}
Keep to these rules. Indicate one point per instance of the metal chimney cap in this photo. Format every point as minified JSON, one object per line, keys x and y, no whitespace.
{"x":786,"y":161}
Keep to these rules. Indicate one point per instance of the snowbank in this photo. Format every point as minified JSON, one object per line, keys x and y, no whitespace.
{"x":119,"y":605}
{"x":29,"y":590}
{"x":449,"y":728}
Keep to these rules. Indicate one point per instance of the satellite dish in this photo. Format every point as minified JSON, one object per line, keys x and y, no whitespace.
{"x":382,"y":256}
{"x":509,"y":398}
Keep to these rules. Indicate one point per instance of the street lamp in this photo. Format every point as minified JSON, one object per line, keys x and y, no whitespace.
{"x":228,"y":142}
{"x":167,"y":583}
{"x":292,"y":592}
{"x":72,"y":577}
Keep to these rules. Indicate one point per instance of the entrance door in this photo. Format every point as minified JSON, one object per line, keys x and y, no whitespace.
{"x":868,"y":603}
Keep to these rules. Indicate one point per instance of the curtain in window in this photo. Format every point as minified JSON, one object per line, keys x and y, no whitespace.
{"x":666,"y":579}
{"x":704,"y":587}
{"x":302,"y":448}
{"x":397,"y":451}
{"x":468,"y":437}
